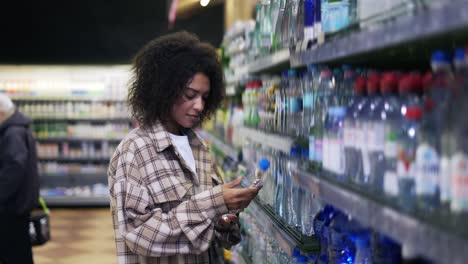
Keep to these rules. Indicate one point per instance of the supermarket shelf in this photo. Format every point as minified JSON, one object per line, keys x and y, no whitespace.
{"x":225,"y":148}
{"x":273,"y":62}
{"x":419,"y":237}
{"x":65,"y":99}
{"x":77,"y":140}
{"x":273,"y":141}
{"x":79,"y":160}
{"x":435,"y":20}
{"x":273,"y":226}
{"x":90,"y":120}
{"x":77,"y":200}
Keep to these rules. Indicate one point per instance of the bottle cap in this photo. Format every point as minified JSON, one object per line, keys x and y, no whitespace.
{"x":405,"y":85}
{"x":427,"y":81}
{"x":459,"y":54}
{"x":292,"y":72}
{"x":414,"y":113}
{"x":373,"y":83}
{"x":440,"y":56}
{"x":264,"y":164}
{"x":360,"y":85}
{"x":389,"y":83}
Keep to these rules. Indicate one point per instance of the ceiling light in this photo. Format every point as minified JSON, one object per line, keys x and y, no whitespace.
{"x":204,"y":2}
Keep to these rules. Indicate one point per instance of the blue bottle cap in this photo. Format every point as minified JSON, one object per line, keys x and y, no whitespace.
{"x":296,"y":252}
{"x":292,"y":72}
{"x":312,"y":257}
{"x":264,"y":164}
{"x":440,"y":56}
{"x":459,"y":54}
{"x":284,"y":74}
{"x":302,"y":259}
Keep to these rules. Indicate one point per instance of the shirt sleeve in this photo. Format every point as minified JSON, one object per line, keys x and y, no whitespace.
{"x":148,"y":231}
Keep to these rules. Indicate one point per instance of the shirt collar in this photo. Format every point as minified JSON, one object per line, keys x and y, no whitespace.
{"x":163,"y":140}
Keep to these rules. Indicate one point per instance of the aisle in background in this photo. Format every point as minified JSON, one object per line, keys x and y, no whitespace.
{"x":78,"y":236}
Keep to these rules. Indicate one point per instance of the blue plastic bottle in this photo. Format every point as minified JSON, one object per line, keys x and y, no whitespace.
{"x":341,"y":248}
{"x":321,"y":222}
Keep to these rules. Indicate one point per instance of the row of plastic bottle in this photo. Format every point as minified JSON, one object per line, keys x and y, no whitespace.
{"x":70,"y":109}
{"x":299,"y":24}
{"x":82,"y":150}
{"x":342,"y":239}
{"x":83,"y":130}
{"x":398,"y":133}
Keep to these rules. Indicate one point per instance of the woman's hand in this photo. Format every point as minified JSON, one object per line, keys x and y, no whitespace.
{"x":238,"y":198}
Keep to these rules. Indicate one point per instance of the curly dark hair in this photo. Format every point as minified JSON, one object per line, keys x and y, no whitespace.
{"x":163,"y":68}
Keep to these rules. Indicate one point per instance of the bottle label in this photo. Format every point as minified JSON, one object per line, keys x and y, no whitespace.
{"x":308,"y":100}
{"x":318,"y":150}
{"x":427,"y":170}
{"x":459,"y":195}
{"x":364,"y":140}
{"x":312,"y":148}
{"x":445,"y":178}
{"x":391,"y":183}
{"x":348,"y":135}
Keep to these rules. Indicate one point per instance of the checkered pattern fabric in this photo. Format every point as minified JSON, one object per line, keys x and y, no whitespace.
{"x":162,"y":212}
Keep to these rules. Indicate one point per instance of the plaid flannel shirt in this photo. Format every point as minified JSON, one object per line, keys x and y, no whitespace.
{"x":162,"y":212}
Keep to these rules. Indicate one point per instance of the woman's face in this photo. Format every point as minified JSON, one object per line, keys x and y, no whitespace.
{"x":187,"y":110}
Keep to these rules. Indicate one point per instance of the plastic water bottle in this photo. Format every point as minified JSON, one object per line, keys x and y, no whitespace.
{"x":406,"y":163}
{"x":296,"y":193}
{"x":226,"y":220}
{"x":321,"y":222}
{"x":367,"y":130}
{"x":295,"y":105}
{"x":310,"y":207}
{"x":459,"y":159}
{"x":340,"y":247}
{"x":391,"y":120}
{"x":409,"y":87}
{"x":308,"y":99}
{"x":428,"y":156}
{"x":352,"y":134}
{"x":363,"y":251}
{"x":376,"y":133}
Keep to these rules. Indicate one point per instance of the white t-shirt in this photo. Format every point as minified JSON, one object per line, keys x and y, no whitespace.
{"x":182,"y":145}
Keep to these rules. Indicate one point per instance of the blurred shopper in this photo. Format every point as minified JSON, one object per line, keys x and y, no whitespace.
{"x":165,"y":196}
{"x":19,"y":184}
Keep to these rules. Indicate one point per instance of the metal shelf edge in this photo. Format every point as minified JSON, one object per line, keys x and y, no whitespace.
{"x":269,"y":61}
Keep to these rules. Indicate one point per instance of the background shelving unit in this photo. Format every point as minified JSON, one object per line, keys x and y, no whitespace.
{"x":79,"y":115}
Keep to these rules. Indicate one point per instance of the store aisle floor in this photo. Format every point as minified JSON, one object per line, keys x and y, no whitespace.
{"x":78,"y":236}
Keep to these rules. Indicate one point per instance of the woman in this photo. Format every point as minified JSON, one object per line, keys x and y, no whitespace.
{"x":165,"y":196}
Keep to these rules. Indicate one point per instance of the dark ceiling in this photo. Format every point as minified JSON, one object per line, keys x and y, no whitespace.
{"x":92,"y":31}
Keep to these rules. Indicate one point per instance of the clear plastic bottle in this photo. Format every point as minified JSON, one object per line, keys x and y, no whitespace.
{"x":321,"y":223}
{"x":406,"y":163}
{"x":459,"y":159}
{"x":367,"y":130}
{"x":296,"y":192}
{"x":391,"y":120}
{"x":428,"y":156}
{"x":310,"y":207}
{"x":341,"y":249}
{"x":295,"y":105}
{"x":363,"y":250}
{"x":351,"y":141}
{"x":320,"y":113}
